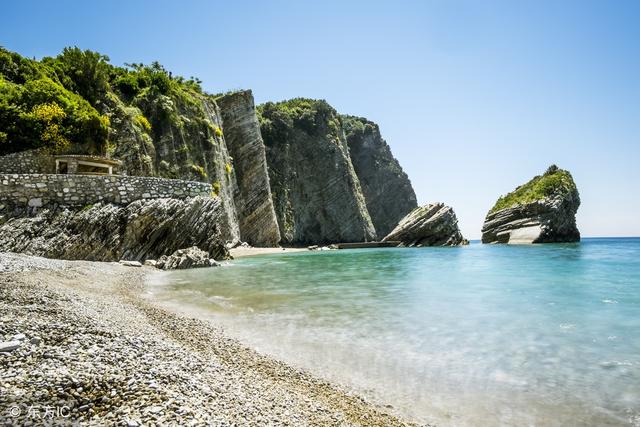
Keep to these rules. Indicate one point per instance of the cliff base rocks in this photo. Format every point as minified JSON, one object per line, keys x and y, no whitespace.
{"x":105,"y":232}
{"x":430,"y":225}
{"x":192,"y":257}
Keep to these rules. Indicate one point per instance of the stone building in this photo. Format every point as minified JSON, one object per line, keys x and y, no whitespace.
{"x":73,"y":164}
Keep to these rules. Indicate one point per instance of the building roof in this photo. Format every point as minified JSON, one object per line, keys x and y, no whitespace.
{"x":88,"y":158}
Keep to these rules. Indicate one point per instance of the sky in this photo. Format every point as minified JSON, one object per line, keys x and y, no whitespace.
{"x":474,"y":97}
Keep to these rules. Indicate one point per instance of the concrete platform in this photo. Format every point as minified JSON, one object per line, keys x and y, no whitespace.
{"x":362,"y":245}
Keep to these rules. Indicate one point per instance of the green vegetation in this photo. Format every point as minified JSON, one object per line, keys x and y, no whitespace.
{"x":357,"y":126}
{"x":315,"y":117}
{"x":69,"y":102}
{"x":199,"y":170}
{"x":143,"y":122}
{"x":554,"y":181}
{"x":218,"y":132}
{"x":215,"y":189}
{"x":228,"y":168}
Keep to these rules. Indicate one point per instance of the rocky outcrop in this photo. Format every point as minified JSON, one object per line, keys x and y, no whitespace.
{"x":256,"y":215}
{"x":316,"y":192}
{"x":541,"y":211}
{"x":181,"y":259}
{"x":106,"y":232}
{"x":386,"y":187}
{"x":430,"y":225}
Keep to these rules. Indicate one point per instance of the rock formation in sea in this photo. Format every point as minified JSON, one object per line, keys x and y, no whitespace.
{"x":541,"y":211}
{"x":431,"y":225}
{"x":257,"y":217}
{"x":107,"y":232}
{"x":316,"y":192}
{"x":386,"y":187}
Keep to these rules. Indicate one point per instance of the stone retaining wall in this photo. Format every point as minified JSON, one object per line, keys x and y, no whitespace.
{"x":31,"y":191}
{"x":29,"y":161}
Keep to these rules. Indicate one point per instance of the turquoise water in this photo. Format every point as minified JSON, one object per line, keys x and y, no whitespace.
{"x":478,"y":335}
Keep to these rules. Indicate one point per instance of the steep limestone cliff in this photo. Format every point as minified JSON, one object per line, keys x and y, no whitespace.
{"x":316,"y":192}
{"x":145,"y":229}
{"x":185,"y":141}
{"x":256,"y":214}
{"x":541,"y":211}
{"x":386,"y":187}
{"x":430,"y":225}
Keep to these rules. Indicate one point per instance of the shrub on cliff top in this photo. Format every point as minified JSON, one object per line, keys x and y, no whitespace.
{"x":554,"y":181}
{"x":315,"y":117}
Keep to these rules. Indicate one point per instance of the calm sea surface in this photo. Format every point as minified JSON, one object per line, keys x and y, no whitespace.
{"x":478,"y":335}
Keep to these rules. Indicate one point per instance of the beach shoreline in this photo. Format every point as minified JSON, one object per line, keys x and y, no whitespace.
{"x":240,"y":251}
{"x":94,"y":350}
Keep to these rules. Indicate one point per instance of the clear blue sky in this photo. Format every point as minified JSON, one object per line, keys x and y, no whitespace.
{"x":473,"y":97}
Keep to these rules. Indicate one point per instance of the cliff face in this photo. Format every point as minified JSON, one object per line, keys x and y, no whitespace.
{"x":541,"y":211}
{"x":430,"y":225}
{"x":257,"y":217}
{"x":185,"y":141}
{"x":145,"y":229}
{"x":316,"y":192}
{"x":297,"y":186}
{"x":386,"y":187}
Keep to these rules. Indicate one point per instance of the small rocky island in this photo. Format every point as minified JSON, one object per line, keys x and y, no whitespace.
{"x":430,"y":225}
{"x":541,"y":211}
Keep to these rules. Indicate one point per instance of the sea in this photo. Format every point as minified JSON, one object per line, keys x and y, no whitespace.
{"x":480,"y":335}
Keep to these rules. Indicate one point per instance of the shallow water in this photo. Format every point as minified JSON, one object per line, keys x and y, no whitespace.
{"x":478,"y":335}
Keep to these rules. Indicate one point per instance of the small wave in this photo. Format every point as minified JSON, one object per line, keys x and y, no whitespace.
{"x":609,"y":301}
{"x":220,"y":301}
{"x":567,"y":326}
{"x":611,"y":364}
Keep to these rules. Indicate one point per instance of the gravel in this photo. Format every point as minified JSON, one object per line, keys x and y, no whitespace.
{"x":92,"y":351}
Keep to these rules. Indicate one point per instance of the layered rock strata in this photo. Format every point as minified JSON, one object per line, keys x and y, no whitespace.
{"x":316,"y":192}
{"x":541,"y":211}
{"x":430,"y":225}
{"x":386,"y":187}
{"x":256,"y":214}
{"x":106,"y":232}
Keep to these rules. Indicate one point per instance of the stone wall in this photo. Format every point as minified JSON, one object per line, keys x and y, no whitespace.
{"x":32,"y":191}
{"x":30,"y":161}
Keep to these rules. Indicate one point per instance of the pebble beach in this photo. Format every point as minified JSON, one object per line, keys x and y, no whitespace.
{"x":79,"y":344}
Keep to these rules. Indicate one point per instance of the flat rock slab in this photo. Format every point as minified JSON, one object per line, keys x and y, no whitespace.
{"x":9,"y":346}
{"x":130,"y":263}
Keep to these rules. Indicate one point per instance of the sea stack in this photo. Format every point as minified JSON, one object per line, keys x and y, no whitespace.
{"x":541,"y":211}
{"x":431,"y":225}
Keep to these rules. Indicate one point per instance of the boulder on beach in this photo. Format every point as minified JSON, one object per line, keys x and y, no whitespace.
{"x":434,"y":224}
{"x":541,"y":211}
{"x":192,"y":257}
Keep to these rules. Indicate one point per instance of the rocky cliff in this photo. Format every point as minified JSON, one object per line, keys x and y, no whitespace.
{"x":256,"y":214}
{"x":316,"y":192}
{"x":304,"y":180}
{"x":185,"y":141}
{"x":145,"y":229}
{"x":430,"y":225}
{"x":386,"y":187}
{"x":541,"y":211}
{"x":156,"y":123}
